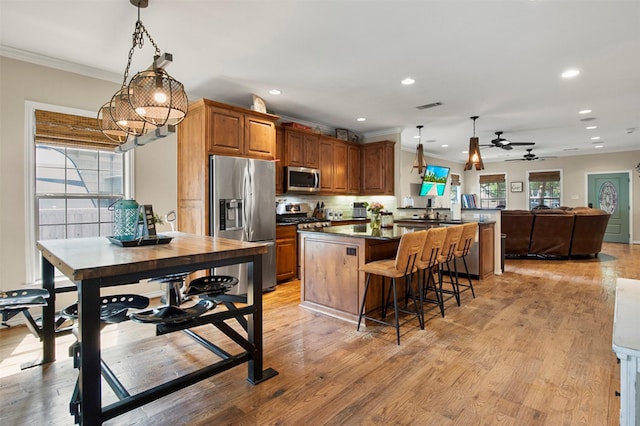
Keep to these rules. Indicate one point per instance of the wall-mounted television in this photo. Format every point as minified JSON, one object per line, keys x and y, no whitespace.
{"x":434,"y":180}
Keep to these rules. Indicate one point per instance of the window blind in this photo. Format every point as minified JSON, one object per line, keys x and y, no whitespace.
{"x":55,"y":128}
{"x":551,"y":176}
{"x":492,"y":178}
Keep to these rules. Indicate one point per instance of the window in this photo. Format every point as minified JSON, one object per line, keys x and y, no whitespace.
{"x":75,"y":176}
{"x":74,"y":189}
{"x":454,"y":194}
{"x":493,"y":191}
{"x":544,"y":189}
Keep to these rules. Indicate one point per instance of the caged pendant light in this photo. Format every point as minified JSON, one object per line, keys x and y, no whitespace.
{"x":150,"y":100}
{"x":475,"y":160}
{"x":419,"y":162}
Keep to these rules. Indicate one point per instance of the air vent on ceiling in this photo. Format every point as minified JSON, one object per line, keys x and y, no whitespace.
{"x":432,"y":105}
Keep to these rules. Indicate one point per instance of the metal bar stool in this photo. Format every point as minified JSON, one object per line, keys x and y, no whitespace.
{"x":403,"y":265}
{"x":426,"y":264}
{"x":14,"y":302}
{"x":113,"y":309}
{"x":467,"y":239}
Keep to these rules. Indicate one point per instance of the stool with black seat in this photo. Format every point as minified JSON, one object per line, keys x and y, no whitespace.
{"x":113,"y":309}
{"x":14,"y":302}
{"x":428,"y":262}
{"x":402,"y":266}
{"x":467,"y":239}
{"x":447,"y":255}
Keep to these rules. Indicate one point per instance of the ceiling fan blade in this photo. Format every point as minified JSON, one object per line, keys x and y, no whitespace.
{"x":522,"y":143}
{"x":516,"y":159}
{"x":507,"y":147}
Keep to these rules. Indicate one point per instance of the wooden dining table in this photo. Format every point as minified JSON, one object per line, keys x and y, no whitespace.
{"x":93,"y":263}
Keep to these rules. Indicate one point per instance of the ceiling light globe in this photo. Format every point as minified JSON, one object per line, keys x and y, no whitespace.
{"x":161,"y":99}
{"x":125,"y":116}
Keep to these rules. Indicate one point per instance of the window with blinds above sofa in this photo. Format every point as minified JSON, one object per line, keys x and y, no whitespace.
{"x":544,"y":189}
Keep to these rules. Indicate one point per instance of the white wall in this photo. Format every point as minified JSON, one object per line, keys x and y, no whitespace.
{"x":155,"y":163}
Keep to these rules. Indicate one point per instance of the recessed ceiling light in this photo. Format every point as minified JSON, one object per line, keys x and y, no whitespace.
{"x":598,"y":146}
{"x":444,"y":145}
{"x":465,"y":152}
{"x":416,"y":137}
{"x":591,"y":127}
{"x":274,"y":92}
{"x":595,"y":138}
{"x":361,"y":119}
{"x":570,"y":73}
{"x":408,"y":81}
{"x":584,"y":111}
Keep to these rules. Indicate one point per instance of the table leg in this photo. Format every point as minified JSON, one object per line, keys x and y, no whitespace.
{"x":48,"y":314}
{"x":89,"y":338}
{"x":254,"y":326}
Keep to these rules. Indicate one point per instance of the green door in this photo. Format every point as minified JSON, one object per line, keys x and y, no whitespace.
{"x":610,"y":192}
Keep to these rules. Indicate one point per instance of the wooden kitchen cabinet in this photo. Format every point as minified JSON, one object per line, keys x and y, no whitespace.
{"x":334,"y":166}
{"x":279,"y":161}
{"x":353,"y":169}
{"x":214,"y":128}
{"x":302,"y":148}
{"x":286,"y":252}
{"x":378,"y":168}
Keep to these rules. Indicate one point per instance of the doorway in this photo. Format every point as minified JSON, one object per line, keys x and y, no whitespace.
{"x":610,"y":192}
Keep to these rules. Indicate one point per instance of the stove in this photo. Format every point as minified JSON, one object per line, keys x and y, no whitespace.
{"x":304,"y":222}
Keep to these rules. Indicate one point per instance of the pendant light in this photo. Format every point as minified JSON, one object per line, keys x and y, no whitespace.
{"x":419,"y":162}
{"x":475,"y":160}
{"x":150,"y":100}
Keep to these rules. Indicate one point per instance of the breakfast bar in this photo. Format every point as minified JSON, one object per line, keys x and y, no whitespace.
{"x":93,"y":263}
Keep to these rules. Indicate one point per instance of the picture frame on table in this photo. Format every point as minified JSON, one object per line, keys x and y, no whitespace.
{"x":342,"y":134}
{"x":516,"y":186}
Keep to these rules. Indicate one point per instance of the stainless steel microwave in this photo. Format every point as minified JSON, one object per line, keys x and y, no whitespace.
{"x":302,"y":179}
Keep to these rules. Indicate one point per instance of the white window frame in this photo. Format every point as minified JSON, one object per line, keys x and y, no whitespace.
{"x":506,"y":190}
{"x":32,"y":256}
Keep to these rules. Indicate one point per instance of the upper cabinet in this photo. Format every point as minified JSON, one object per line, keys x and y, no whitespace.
{"x":377,"y":168}
{"x":301,"y":148}
{"x":234,"y":131}
{"x":334,"y":165}
{"x":214,"y":128}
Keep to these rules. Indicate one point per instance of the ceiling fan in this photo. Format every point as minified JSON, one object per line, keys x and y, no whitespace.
{"x":500,"y":142}
{"x":529,"y":156}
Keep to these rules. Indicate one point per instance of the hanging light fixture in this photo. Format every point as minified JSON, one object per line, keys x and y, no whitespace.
{"x":475,"y":160}
{"x":419,"y":162}
{"x":150,"y":100}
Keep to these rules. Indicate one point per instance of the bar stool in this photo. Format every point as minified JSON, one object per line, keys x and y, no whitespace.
{"x":447,"y":254}
{"x":403,"y":265}
{"x":113,"y":309}
{"x":467,"y":239}
{"x":427,"y":262}
{"x":14,"y":302}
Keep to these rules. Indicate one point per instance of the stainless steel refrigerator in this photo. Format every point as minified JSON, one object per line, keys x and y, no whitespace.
{"x":243,"y":208}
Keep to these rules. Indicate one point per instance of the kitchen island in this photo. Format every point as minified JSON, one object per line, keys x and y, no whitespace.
{"x":330,"y":279}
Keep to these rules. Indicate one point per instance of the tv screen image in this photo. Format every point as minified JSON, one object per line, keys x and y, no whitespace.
{"x":434,"y":180}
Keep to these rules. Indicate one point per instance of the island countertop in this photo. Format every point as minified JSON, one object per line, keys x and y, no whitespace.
{"x":364,"y":230}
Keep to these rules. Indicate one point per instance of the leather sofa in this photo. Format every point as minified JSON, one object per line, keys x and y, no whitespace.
{"x":561,"y":232}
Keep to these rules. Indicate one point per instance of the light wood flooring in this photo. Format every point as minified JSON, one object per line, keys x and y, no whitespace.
{"x":533,"y":348}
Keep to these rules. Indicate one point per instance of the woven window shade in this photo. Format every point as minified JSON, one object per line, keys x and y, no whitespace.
{"x":55,"y":128}
{"x":491,"y":178}
{"x":552,"y":176}
{"x":455,"y":179}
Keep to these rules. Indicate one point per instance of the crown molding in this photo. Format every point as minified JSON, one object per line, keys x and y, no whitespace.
{"x":47,"y":61}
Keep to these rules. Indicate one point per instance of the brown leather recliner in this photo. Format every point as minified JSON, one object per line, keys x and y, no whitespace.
{"x":588,"y":231}
{"x":517,"y":226}
{"x":552,"y":231}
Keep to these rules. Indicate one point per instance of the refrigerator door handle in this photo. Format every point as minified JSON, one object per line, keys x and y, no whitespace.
{"x":248,"y":204}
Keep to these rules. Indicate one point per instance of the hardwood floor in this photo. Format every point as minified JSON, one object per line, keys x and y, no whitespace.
{"x":533,"y":348}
